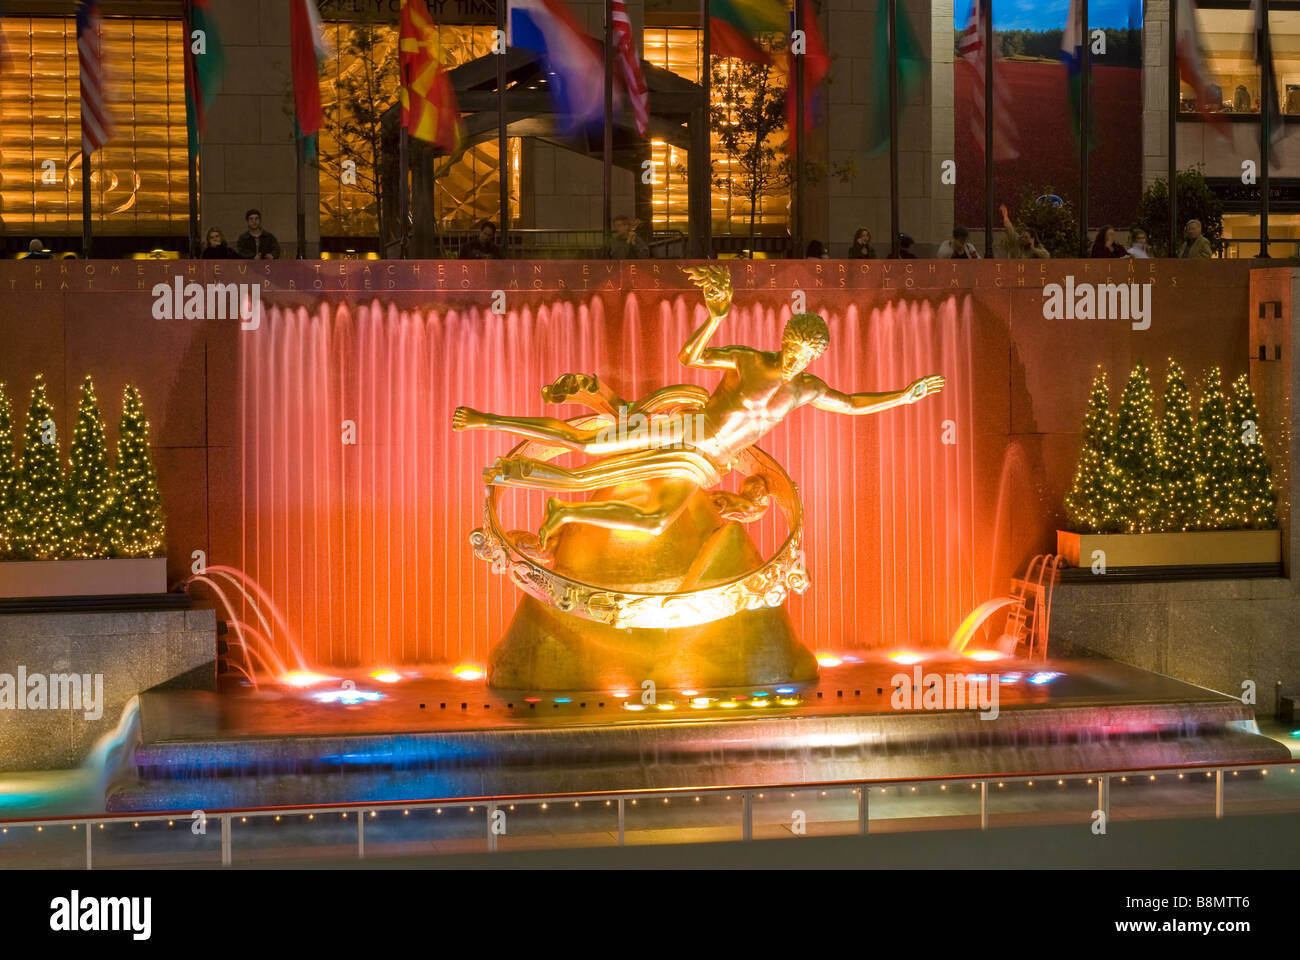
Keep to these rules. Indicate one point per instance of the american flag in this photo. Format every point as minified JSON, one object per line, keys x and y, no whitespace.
{"x":629,"y":67}
{"x":970,"y":47}
{"x":96,"y":121}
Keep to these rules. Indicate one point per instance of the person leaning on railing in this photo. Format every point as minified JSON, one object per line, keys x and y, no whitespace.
{"x":1196,"y":245}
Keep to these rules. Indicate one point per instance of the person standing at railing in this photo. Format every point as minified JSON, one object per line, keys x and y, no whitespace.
{"x":1196,"y":245}
{"x":626,"y":244}
{"x":484,"y":246}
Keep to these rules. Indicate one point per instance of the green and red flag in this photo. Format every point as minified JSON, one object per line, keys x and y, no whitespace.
{"x":307,"y":51}
{"x":736,"y":25}
{"x":911,"y":72}
{"x":205,"y":63}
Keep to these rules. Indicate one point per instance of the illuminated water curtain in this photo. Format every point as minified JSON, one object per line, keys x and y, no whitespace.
{"x":654,"y":578}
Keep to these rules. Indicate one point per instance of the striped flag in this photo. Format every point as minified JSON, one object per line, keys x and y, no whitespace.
{"x":1072,"y":40}
{"x":429,"y":108}
{"x":970,"y":47}
{"x":736,"y":25}
{"x":1264,"y":60}
{"x":629,"y":67}
{"x":204,"y":64}
{"x":307,"y":49}
{"x":574,"y":65}
{"x":816,"y":64}
{"x":96,"y":120}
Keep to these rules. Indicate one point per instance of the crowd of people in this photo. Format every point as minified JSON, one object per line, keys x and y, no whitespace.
{"x":627,"y":243}
{"x":1020,"y":242}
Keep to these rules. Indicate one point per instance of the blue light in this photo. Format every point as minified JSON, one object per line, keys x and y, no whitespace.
{"x":1044,"y":676}
{"x":761,"y":693}
{"x":1295,"y":733}
{"x":564,"y":700}
{"x":785,"y":689}
{"x":348,"y":697}
{"x":978,"y":677}
{"x":1010,"y":677}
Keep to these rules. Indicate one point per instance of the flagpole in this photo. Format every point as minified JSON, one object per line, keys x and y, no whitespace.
{"x":704,"y":165}
{"x":800,"y":207}
{"x":607,"y":187}
{"x":85,"y":197}
{"x":988,"y":126}
{"x":1085,"y":122}
{"x":1267,"y":92}
{"x":503,"y":145}
{"x":894,"y":223}
{"x":1175,"y":98}
{"x":300,"y":195}
{"x":404,"y":190}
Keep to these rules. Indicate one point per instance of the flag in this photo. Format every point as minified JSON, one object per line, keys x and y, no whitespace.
{"x":204,"y":64}
{"x":1191,"y":67}
{"x":1264,"y":60}
{"x":629,"y":67}
{"x":911,"y":72}
{"x":970,"y":48}
{"x":429,"y":109}
{"x":735,"y":25}
{"x":307,"y":50}
{"x":96,"y":119}
{"x":1072,"y":40}
{"x":816,"y":62}
{"x":574,"y":64}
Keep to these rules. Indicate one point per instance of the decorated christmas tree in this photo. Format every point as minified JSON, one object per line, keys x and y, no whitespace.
{"x":1136,"y":455}
{"x":1091,"y":505}
{"x":1256,"y":498}
{"x":8,"y":476}
{"x":43,"y":526}
{"x":89,"y":488}
{"x":137,"y":527}
{"x":1218,"y":451}
{"x":1178,"y":503}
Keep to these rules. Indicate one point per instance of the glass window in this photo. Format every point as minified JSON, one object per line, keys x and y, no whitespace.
{"x":358,"y":86}
{"x":140,"y":182}
{"x":678,"y":49}
{"x":1228,"y":37}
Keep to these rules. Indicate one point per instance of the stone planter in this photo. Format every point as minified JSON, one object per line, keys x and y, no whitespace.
{"x":83,"y":578}
{"x":1215,"y":548}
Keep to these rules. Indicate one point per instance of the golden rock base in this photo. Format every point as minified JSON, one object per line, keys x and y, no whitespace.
{"x":547,"y":649}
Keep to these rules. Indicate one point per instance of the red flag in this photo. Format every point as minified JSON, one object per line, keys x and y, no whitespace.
{"x":629,"y":68}
{"x":970,"y":81}
{"x":96,"y":120}
{"x":1191,"y":68}
{"x":816,"y":63}
{"x":305,"y":45}
{"x":429,"y":109}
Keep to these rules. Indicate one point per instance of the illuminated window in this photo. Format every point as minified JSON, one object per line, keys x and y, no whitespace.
{"x":1228,"y":36}
{"x":678,"y":49}
{"x":357,"y":87}
{"x":140,"y":183}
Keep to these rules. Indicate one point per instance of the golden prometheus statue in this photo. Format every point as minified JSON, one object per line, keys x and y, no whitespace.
{"x":654,"y":578}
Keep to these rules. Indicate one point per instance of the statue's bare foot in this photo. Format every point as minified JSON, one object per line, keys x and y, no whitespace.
{"x":530,"y":545}
{"x":466,"y":418}
{"x":553,"y":520}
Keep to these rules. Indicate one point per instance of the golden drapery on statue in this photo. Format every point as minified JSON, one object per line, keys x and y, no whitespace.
{"x":654,"y":577}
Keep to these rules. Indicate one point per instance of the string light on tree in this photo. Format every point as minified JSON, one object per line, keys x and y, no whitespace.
{"x":1256,"y":497}
{"x":1091,"y":504}
{"x":90,"y":490}
{"x":1178,"y":503}
{"x":137,"y":527}
{"x":8,"y":477}
{"x":1136,"y":455}
{"x":1218,"y":452}
{"x":43,"y":525}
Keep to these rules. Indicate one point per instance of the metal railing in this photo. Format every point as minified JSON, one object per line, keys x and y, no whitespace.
{"x":491,"y":824}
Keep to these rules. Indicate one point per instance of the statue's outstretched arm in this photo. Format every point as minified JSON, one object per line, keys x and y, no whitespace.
{"x":715,"y":282}
{"x":864,"y":403}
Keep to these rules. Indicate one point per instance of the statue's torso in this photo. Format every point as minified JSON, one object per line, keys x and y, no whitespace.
{"x":747,"y":404}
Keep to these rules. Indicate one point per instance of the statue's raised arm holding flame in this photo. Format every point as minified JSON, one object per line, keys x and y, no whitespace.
{"x":758,"y":389}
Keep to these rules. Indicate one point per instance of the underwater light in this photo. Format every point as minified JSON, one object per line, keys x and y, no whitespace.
{"x":828,"y":660}
{"x":304,"y":678}
{"x":729,"y":704}
{"x":348,"y":696}
{"x":467,"y":671}
{"x":759,"y":702}
{"x":699,"y":702}
{"x":789,"y":701}
{"x":905,"y":657}
{"x":634,"y":706}
{"x":984,"y":654}
{"x":386,"y":676}
{"x":785,"y":689}
{"x":1011,"y":677}
{"x":666,"y":706}
{"x":761,"y":693}
{"x":690,"y":693}
{"x":564,"y":700}
{"x":1044,"y":676}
